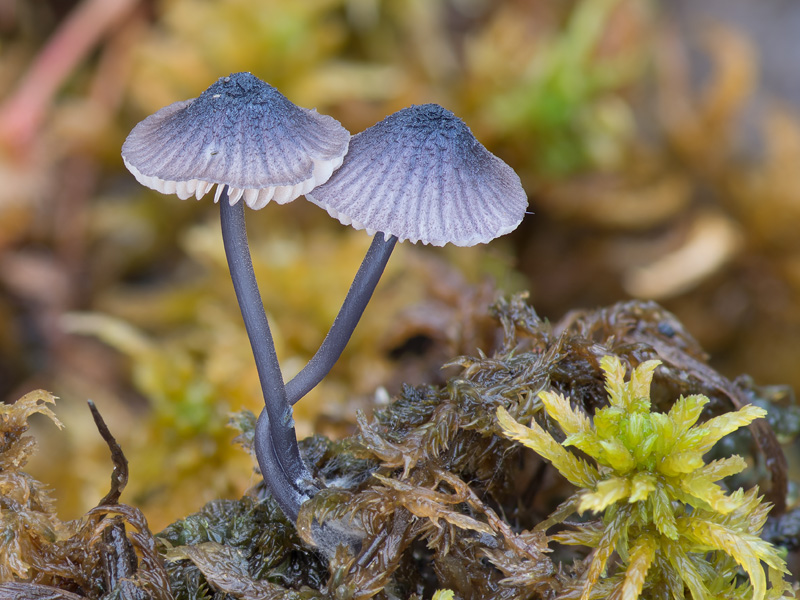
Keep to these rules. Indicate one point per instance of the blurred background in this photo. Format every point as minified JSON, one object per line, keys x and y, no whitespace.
{"x":659,"y":143}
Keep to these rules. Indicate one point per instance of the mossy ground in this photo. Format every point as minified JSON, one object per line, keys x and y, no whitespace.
{"x":435,"y":497}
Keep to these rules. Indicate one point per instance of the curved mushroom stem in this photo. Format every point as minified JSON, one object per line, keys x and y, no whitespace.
{"x":367,"y":277}
{"x":288,"y":497}
{"x":279,"y":459}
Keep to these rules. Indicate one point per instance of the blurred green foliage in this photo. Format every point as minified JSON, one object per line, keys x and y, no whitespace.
{"x":548,"y":76}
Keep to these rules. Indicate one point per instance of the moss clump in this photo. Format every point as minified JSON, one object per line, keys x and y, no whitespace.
{"x":663,"y":514}
{"x":251,"y":538}
{"x":430,"y":496}
{"x":109,"y":549}
{"x":27,"y":515}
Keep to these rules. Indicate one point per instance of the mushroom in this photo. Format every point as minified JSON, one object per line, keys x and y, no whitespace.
{"x":245,"y":137}
{"x":418,"y":175}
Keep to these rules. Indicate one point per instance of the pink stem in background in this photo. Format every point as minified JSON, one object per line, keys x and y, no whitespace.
{"x":22,"y":113}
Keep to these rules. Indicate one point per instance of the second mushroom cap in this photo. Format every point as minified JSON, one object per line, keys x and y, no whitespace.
{"x":421,"y":175}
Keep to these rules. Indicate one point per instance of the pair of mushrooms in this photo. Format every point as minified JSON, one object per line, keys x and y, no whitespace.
{"x":418,"y":175}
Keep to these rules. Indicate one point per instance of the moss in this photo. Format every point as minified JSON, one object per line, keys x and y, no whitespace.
{"x":662,"y":511}
{"x":109,"y":549}
{"x":430,"y":497}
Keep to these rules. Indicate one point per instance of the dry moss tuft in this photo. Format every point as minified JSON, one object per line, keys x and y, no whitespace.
{"x":110,"y":549}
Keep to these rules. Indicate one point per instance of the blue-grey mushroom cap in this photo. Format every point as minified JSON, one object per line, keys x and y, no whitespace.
{"x":421,"y":176}
{"x":240,"y":132}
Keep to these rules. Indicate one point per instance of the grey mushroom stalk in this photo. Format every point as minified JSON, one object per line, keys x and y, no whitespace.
{"x":278,"y":454}
{"x":358,"y":296}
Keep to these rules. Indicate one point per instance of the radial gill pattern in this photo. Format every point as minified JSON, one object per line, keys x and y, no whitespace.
{"x":421,"y":176}
{"x":240,"y":132}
